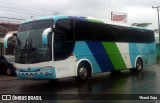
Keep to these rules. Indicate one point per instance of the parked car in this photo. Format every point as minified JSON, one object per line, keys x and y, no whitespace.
{"x":7,"y":64}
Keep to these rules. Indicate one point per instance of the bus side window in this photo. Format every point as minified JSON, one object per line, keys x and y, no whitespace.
{"x":59,"y":47}
{"x":65,"y":26}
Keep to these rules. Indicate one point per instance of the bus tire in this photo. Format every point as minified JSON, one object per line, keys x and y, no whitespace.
{"x":139,"y":64}
{"x":83,"y":72}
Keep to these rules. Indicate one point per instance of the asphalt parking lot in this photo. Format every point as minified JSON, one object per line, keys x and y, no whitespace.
{"x":146,"y":82}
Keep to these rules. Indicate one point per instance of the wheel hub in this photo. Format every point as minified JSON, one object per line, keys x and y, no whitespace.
{"x":83,"y":72}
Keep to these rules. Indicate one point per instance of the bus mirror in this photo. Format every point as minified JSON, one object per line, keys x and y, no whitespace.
{"x":45,"y":35}
{"x":7,"y":37}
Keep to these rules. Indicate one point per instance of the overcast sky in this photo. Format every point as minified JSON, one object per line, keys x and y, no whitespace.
{"x":138,"y":11}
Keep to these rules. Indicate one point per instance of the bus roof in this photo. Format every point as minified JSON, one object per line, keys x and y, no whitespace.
{"x":57,"y":17}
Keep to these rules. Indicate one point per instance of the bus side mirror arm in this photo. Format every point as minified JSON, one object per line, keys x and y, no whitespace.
{"x":45,"y":36}
{"x":6,"y":39}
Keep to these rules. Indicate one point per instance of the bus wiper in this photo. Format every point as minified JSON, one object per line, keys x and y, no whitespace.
{"x":30,"y":47}
{"x":23,"y":50}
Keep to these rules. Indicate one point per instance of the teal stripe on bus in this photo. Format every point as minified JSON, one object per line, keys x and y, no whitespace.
{"x":82,"y":51}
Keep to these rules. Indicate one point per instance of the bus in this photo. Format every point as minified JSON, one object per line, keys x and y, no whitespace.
{"x":54,"y":47}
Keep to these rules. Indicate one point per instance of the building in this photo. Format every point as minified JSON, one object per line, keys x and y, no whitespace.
{"x":5,"y":28}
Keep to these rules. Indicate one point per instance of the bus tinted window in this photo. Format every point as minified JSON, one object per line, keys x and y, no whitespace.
{"x":65,"y":26}
{"x":101,"y":32}
{"x":25,"y":27}
{"x":36,"y":25}
{"x":42,"y":24}
{"x":127,"y":34}
{"x":84,"y":30}
{"x":112,"y":33}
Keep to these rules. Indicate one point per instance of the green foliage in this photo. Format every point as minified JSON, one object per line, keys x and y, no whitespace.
{"x":156,"y":30}
{"x":141,"y":24}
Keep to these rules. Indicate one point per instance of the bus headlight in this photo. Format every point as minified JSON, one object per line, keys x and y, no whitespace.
{"x":46,"y":68}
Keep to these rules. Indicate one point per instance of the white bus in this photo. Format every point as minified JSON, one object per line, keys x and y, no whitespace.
{"x":63,"y":46}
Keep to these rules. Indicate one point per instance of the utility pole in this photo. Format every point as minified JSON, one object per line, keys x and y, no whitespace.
{"x":111,"y":15}
{"x":157,"y":8}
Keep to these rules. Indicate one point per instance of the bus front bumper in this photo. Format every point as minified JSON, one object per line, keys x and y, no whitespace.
{"x":47,"y":73}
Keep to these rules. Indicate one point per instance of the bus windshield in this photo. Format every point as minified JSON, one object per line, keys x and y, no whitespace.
{"x":29,"y":47}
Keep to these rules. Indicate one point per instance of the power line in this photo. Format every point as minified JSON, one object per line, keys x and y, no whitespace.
{"x":23,"y":10}
{"x":9,"y":4}
{"x":29,"y":10}
{"x":145,"y":3}
{"x":40,"y":12}
{"x":152,"y":1}
{"x":12,"y":18}
{"x":19,"y":12}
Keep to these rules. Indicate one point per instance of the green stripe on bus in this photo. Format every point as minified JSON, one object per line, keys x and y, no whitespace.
{"x":95,"y":20}
{"x":115,"y":55}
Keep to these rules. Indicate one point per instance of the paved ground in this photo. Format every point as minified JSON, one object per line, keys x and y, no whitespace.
{"x":147,"y":82}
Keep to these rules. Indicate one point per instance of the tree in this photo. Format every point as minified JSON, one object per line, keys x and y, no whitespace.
{"x":156,"y":30}
{"x":141,"y":24}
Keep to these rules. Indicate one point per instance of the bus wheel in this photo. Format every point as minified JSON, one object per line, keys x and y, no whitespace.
{"x":83,"y":72}
{"x":139,"y":64}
